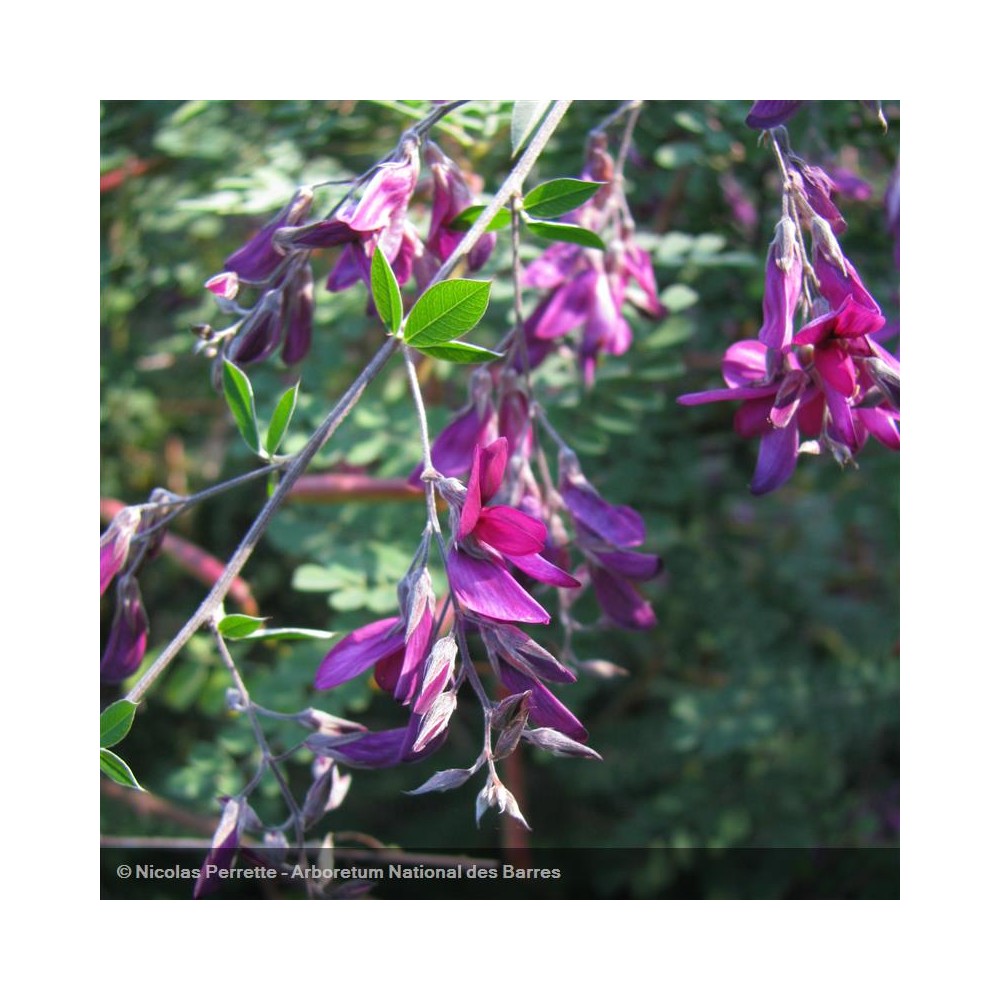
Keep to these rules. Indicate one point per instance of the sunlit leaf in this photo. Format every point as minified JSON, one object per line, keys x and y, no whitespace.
{"x":460,"y":353}
{"x":446,"y":311}
{"x":118,"y":771}
{"x":238,"y":391}
{"x":555,"y":198}
{"x":560,"y":232}
{"x":385,"y":292}
{"x":116,"y":721}
{"x":281,"y":419}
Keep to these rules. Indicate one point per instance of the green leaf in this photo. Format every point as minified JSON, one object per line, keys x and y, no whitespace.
{"x":525,"y":116}
{"x":385,"y":292}
{"x":281,"y":418}
{"x":562,"y":233}
{"x":466,"y":219}
{"x":116,"y":721}
{"x":446,"y":311}
{"x":239,"y":395}
{"x":459,"y":352}
{"x":287,"y":633}
{"x":118,"y":771}
{"x":555,"y":198}
{"x":239,"y":626}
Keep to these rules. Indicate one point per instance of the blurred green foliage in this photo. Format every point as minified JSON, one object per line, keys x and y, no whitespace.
{"x":761,"y":712}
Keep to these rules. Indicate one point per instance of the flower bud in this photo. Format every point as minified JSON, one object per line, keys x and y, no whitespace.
{"x":225,"y":285}
{"x":129,"y":633}
{"x":297,"y":315}
{"x":260,"y":332}
{"x":115,"y":544}
{"x":258,"y":257}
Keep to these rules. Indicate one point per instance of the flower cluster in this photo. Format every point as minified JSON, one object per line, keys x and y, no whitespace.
{"x":830,"y":384}
{"x":277,"y":258}
{"x":586,"y":289}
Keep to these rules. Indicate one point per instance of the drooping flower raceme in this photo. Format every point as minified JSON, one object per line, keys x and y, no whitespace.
{"x":587,"y":289}
{"x":830,"y":384}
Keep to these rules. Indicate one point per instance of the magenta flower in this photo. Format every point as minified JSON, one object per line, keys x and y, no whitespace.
{"x":487,"y":537}
{"x":782,"y":286}
{"x":606,"y":533}
{"x":419,"y":738}
{"x":115,"y":544}
{"x":225,"y":285}
{"x":817,"y":188}
{"x":589,"y":290}
{"x":839,"y":340}
{"x":395,"y":658}
{"x":129,"y":634}
{"x":775,"y":407}
{"x":378,"y":218}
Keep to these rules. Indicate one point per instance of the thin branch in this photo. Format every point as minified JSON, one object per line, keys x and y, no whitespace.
{"x":297,"y":466}
{"x":242,"y":554}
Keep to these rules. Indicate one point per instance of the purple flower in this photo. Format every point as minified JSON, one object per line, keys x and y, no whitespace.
{"x":782,"y":286}
{"x":770,"y":114}
{"x":777,"y":406}
{"x":260,"y":332}
{"x":486,"y":537}
{"x":129,"y":633}
{"x":816,"y":188}
{"x":522,"y":666}
{"x":606,"y":533}
{"x":297,"y":314}
{"x":892,"y":211}
{"x":115,"y":544}
{"x":587,"y":289}
{"x":419,"y":738}
{"x":384,"y":646}
{"x":257,"y":259}
{"x":592,"y":290}
{"x":225,"y":285}
{"x":225,"y":844}
{"x":849,"y":185}
{"x":451,"y":197}
{"x":378,"y":218}
{"x":743,"y":210}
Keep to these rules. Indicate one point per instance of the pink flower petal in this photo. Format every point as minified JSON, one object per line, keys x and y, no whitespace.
{"x":836,"y":368}
{"x":359,"y":650}
{"x":494,"y":463}
{"x":487,"y":589}
{"x":539,"y":568}
{"x":744,"y":363}
{"x":510,"y":531}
